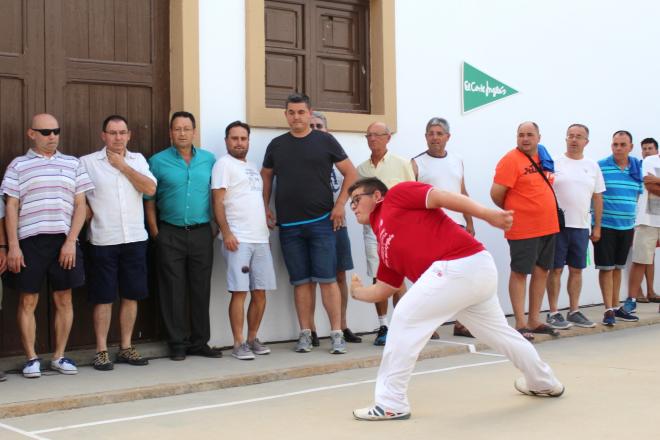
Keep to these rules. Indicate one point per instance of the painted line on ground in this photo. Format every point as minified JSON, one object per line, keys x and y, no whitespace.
{"x":31,"y":435}
{"x":471,"y":347}
{"x":255,"y":400}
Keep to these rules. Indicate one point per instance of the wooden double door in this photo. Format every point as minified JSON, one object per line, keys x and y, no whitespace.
{"x":82,"y":60}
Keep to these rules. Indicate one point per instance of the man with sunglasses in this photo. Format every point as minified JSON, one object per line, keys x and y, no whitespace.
{"x":391,"y":169}
{"x":343,"y":246}
{"x":441,"y":259}
{"x":118,"y":240}
{"x":45,"y":211}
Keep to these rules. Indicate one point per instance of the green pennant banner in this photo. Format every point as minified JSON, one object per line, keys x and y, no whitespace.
{"x":480,"y":89}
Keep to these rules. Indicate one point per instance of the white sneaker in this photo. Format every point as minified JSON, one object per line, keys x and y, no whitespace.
{"x":32,"y":369}
{"x":521,"y":385}
{"x":64,"y":366}
{"x":376,"y":413}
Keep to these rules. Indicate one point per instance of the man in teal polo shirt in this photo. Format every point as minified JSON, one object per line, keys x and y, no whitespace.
{"x":183,"y":237}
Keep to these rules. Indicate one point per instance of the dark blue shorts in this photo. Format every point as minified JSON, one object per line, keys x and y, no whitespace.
{"x":309,"y":252}
{"x":571,"y":246}
{"x":41,"y":253}
{"x":117,"y":270}
{"x":344,"y":258}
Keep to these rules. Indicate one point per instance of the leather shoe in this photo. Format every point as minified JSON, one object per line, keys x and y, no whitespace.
{"x":205,"y":351}
{"x":349,"y":336}
{"x":178,"y":354}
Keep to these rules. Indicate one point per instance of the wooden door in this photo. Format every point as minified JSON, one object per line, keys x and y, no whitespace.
{"x":87,"y":59}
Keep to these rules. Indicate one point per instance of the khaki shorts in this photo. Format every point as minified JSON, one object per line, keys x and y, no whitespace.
{"x":371,"y":251}
{"x":644,"y":243}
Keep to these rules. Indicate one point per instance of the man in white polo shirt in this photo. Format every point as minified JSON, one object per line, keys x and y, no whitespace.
{"x":579,"y":187}
{"x":45,"y":211}
{"x":238,"y":206}
{"x":118,"y":238}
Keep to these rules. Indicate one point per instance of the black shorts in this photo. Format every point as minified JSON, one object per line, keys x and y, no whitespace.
{"x":41,"y":254}
{"x":117,"y":270}
{"x":611,"y":251}
{"x":530,"y":252}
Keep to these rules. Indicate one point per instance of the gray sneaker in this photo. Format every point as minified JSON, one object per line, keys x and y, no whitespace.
{"x":243,"y":352}
{"x":258,"y":348}
{"x":579,"y":320}
{"x":304,"y":344}
{"x":338,"y":342}
{"x":557,"y":321}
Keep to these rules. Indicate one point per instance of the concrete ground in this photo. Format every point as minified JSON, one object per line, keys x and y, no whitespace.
{"x":466,"y":396}
{"x":597,"y":365}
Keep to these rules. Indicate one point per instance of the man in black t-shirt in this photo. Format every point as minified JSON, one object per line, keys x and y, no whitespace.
{"x":302,"y":160}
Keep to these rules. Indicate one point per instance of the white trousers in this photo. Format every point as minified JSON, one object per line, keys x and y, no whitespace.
{"x":467,"y":290}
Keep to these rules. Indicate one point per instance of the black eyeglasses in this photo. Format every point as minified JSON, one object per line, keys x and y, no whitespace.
{"x":357,"y":197}
{"x":316,"y":126}
{"x":47,"y":131}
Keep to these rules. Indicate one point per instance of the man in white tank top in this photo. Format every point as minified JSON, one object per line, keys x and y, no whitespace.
{"x":437,"y":167}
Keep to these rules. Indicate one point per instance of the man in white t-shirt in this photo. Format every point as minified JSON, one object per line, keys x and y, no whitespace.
{"x":442,"y":170}
{"x":238,"y":207}
{"x":578,"y":186}
{"x":647,"y":224}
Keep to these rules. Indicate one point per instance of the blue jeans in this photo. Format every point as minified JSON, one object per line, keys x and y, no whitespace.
{"x":309,"y":252}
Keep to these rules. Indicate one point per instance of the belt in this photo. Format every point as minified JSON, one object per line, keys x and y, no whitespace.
{"x":186,"y":227}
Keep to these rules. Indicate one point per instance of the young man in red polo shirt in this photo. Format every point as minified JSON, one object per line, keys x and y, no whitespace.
{"x":440,"y":258}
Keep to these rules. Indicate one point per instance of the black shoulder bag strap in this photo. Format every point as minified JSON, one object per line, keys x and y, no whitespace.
{"x":560,"y":212}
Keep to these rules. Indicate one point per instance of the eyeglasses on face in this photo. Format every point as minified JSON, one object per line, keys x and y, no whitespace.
{"x":577,"y":137}
{"x":117,"y":133}
{"x":47,"y":131}
{"x":356,"y":198}
{"x":316,"y":126}
{"x":368,"y":135}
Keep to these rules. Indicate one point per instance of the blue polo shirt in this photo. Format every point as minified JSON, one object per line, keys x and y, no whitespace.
{"x":183,"y":192}
{"x":620,"y":197}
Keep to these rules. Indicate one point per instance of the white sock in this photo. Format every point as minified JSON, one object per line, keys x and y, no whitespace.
{"x":382,"y":320}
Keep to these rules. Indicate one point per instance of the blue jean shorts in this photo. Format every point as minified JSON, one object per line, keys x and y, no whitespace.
{"x":310,"y":252}
{"x":344,"y":258}
{"x":250,"y":267}
{"x":571,"y":248}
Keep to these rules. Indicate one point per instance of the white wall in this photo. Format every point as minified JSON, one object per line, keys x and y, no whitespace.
{"x":589,"y":62}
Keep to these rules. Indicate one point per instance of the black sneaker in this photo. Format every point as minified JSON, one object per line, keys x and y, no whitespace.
{"x":381,"y":337}
{"x":205,"y":351}
{"x":622,"y":315}
{"x":131,"y":356}
{"x":102,"y":361}
{"x":349,"y":336}
{"x":315,"y":340}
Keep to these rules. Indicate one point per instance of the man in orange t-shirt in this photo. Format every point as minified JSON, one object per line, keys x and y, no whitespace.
{"x":518,"y":186}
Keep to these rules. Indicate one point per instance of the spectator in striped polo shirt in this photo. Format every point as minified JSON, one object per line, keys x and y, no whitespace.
{"x":45,"y":211}
{"x":623,"y":182}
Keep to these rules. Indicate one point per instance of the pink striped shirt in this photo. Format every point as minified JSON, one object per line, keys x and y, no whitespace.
{"x":46,"y":188}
